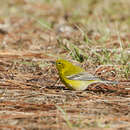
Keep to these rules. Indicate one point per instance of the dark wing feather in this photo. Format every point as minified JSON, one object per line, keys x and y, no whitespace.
{"x":83,"y":76}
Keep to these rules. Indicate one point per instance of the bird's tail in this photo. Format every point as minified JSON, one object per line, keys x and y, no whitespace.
{"x":110,"y":82}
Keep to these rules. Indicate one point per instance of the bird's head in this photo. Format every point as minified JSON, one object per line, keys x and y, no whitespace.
{"x":62,"y":65}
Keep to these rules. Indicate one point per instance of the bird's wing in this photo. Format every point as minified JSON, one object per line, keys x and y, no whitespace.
{"x":84,"y":76}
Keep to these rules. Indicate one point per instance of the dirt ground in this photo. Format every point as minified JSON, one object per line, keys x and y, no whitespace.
{"x":94,"y":34}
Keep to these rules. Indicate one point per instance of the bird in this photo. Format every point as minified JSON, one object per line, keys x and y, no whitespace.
{"x":76,"y":78}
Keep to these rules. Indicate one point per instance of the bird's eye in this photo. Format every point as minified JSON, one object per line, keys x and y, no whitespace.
{"x":59,"y":63}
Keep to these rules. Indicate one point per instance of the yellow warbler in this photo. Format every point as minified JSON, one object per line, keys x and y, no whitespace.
{"x":75,"y":77}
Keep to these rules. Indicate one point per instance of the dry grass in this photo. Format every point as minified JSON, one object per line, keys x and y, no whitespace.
{"x":33,"y":34}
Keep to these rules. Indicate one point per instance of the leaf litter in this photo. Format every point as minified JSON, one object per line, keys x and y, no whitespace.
{"x":30,"y":98}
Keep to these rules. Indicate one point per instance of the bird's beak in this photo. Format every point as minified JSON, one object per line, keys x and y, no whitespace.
{"x":53,"y":62}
